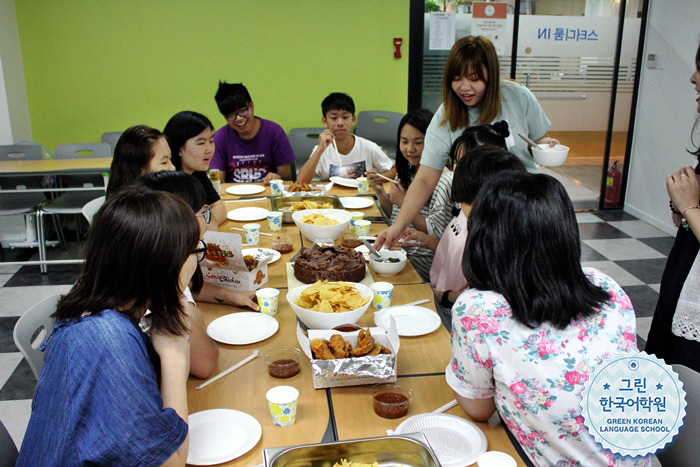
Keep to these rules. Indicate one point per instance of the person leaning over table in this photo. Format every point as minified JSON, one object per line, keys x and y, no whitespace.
{"x":191,"y":139}
{"x":108,"y":393}
{"x":249,"y":148}
{"x":473,"y":94}
{"x":339,"y":152}
{"x":534,"y":324}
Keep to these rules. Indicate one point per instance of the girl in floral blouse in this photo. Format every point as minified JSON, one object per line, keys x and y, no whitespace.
{"x":534,"y":325}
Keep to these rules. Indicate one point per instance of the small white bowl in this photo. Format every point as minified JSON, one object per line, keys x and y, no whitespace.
{"x":318,"y":320}
{"x":322,"y":232}
{"x":388,"y":268}
{"x":545,"y":154}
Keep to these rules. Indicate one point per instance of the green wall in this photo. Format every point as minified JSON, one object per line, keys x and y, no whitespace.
{"x":94,"y":65}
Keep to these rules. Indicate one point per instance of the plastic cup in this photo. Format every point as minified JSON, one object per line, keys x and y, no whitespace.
{"x":381,"y":294}
{"x":362,"y":185}
{"x":495,"y":459}
{"x":283,"y":362}
{"x":274,"y":220}
{"x":252,"y":233}
{"x":282,"y":243}
{"x":268,"y":299}
{"x":282,"y":401}
{"x":391,"y":400}
{"x":356,"y":216}
{"x":276,"y":187}
{"x":362,"y":228}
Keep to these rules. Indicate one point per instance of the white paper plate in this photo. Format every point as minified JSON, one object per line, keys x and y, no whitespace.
{"x":342,"y":181}
{"x":410,"y":320}
{"x":221,"y":435}
{"x":242,"y":328}
{"x":259,"y":252}
{"x":356,"y":203}
{"x":456,"y":441}
{"x":247,"y":214}
{"x":245,"y":189}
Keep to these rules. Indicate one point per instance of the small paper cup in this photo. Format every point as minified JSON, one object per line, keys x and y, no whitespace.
{"x":362,"y":228}
{"x":356,"y":216}
{"x":495,"y":459}
{"x":274,"y":220}
{"x":362,"y":185}
{"x":282,"y":401}
{"x":381,"y":294}
{"x":276,"y":187}
{"x":268,"y":299}
{"x":252,"y":233}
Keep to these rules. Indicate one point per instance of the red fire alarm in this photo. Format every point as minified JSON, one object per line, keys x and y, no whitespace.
{"x":397,"y":47}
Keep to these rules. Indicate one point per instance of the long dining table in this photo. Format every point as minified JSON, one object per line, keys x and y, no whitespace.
{"x":334,"y":414}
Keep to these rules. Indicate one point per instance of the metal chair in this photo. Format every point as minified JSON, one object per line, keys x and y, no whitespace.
{"x":8,"y":448}
{"x":380,"y":127}
{"x":684,"y":449}
{"x":111,"y":138}
{"x":92,"y":207}
{"x":32,"y":328}
{"x":303,"y":141}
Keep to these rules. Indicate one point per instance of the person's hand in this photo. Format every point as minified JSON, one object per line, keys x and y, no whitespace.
{"x":683,"y":188}
{"x":375,"y":181}
{"x":271,"y":176}
{"x":325,"y":139}
{"x":397,"y":193}
{"x":548,"y":140}
{"x":415,"y":237}
{"x":244,"y":300}
{"x":388,"y":238}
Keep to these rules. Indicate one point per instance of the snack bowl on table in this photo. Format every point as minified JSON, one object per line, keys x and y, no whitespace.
{"x":315,"y":232}
{"x":545,"y":154}
{"x":320,"y":320}
{"x":390,"y":267}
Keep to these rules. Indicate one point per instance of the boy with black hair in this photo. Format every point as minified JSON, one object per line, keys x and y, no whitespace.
{"x":339,"y":152}
{"x":249,"y":148}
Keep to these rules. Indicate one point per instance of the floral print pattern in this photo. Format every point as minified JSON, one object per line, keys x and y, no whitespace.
{"x":536,"y":375}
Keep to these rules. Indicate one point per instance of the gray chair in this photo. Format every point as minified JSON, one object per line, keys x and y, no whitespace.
{"x":92,"y":207}
{"x":303,"y":141}
{"x":32,"y":328}
{"x":684,"y":449}
{"x":8,"y":448}
{"x":111,"y":138}
{"x":380,"y":127}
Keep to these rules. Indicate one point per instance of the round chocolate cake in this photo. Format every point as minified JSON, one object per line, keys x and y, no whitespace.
{"x":333,"y":263}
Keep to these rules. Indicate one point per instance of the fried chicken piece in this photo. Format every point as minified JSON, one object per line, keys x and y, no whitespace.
{"x":337,"y":345}
{"x":385,"y":351}
{"x":376,"y":350}
{"x":348,"y":347}
{"x":365,"y":343}
{"x":320,"y":350}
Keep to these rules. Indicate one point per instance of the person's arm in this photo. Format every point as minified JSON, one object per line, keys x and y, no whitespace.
{"x":211,"y":293}
{"x":684,"y":190}
{"x":204,"y":353}
{"x":426,"y":240}
{"x":479,"y":410}
{"x":377,"y":184}
{"x":546,"y":139}
{"x":308,"y":170}
{"x":218,"y":215}
{"x":418,"y":194}
{"x":397,"y":196}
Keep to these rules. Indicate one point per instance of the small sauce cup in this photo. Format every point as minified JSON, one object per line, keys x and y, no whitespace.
{"x":282,"y":243}
{"x":283,"y":362}
{"x":348,"y":327}
{"x":391,"y":400}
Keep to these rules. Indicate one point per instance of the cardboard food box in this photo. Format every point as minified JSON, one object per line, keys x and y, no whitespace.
{"x":319,"y":190}
{"x":355,"y":371}
{"x":225,"y":265}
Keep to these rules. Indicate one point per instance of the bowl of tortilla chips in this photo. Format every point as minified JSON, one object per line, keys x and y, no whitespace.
{"x":324,"y":305}
{"x":316,"y":224}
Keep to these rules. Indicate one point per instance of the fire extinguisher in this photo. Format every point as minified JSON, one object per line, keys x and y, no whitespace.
{"x":613,"y":186}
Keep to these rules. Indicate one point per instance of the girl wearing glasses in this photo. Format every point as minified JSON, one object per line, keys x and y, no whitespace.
{"x":108,"y":393}
{"x":191,"y":139}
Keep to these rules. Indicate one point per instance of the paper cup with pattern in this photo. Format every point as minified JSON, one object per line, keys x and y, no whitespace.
{"x":362,"y":228}
{"x":268,"y":300}
{"x":282,"y":401}
{"x":274,"y":221}
{"x":276,"y":187}
{"x":362,"y":185}
{"x":252,"y":233}
{"x":381,"y":294}
{"x":495,"y":459}
{"x":356,"y":216}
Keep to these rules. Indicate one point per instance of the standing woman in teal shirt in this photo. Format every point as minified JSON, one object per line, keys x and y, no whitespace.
{"x":473,"y":94}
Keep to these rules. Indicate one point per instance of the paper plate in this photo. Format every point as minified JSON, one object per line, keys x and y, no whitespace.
{"x":350,"y":202}
{"x":259,"y":252}
{"x":410,"y":320}
{"x":247,"y":214}
{"x":245,"y":189}
{"x":242,"y":328}
{"x":221,"y":435}
{"x":342,"y":181}
{"x":456,"y":441}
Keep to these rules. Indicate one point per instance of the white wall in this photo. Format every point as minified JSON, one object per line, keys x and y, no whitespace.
{"x":666,"y":110}
{"x":12,"y":76}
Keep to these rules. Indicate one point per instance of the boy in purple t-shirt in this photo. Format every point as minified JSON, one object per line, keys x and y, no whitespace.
{"x":249,"y":148}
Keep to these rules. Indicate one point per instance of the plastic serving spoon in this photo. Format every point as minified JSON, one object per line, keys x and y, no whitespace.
{"x":370,"y":247}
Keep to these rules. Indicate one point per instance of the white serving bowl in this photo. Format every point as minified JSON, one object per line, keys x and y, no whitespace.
{"x":318,"y":320}
{"x":322,"y":232}
{"x":545,"y":154}
{"x":388,"y":268}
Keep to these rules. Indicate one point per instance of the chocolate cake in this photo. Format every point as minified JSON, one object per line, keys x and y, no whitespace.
{"x":333,"y":263}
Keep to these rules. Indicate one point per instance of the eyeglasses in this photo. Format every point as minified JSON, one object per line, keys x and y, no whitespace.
{"x":206,"y":214}
{"x":201,"y":252}
{"x":238,"y":113}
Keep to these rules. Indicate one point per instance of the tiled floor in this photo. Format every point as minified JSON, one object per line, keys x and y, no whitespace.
{"x":629,"y":250}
